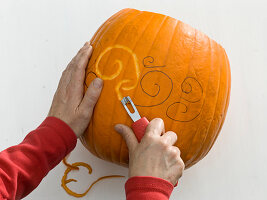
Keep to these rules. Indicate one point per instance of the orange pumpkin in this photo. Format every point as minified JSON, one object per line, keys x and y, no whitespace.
{"x":170,"y":70}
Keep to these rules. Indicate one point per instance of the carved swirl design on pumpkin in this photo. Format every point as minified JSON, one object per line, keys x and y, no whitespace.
{"x":150,"y":84}
{"x":119,"y":69}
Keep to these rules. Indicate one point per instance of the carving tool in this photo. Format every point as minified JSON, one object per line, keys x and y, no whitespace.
{"x":139,"y":124}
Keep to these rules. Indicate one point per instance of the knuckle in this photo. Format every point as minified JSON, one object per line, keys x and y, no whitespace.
{"x":173,"y":134}
{"x":164,"y":144}
{"x":92,"y":99}
{"x":159,"y":120}
{"x":175,"y":151}
{"x":90,"y":103}
{"x":149,"y":136}
{"x":182,"y":165}
{"x":71,"y":65}
{"x":126,"y":136}
{"x":92,"y":96}
{"x":64,"y":72}
{"x":122,"y":129}
{"x":84,"y":114}
{"x":81,"y":55}
{"x":180,"y":162}
{"x":61,"y":96}
{"x":83,"y":51}
{"x":153,"y":131}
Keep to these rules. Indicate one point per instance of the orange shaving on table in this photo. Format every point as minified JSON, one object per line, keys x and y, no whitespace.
{"x":75,"y":166}
{"x":69,"y":165}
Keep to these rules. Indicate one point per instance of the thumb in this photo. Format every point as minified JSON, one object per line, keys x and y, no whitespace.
{"x":128,"y":135}
{"x":91,"y":96}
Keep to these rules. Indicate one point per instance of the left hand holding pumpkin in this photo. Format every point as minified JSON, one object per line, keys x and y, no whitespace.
{"x":69,"y":104}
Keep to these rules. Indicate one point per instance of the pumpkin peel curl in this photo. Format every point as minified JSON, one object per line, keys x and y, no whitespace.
{"x":75,"y":166}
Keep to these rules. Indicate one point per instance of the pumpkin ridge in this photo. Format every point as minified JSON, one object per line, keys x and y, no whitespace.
{"x":173,"y":122}
{"x":214,"y":139}
{"x":206,"y":88}
{"x":103,"y":31}
{"x":156,"y":35}
{"x":102,"y":27}
{"x":141,"y":71}
{"x":118,"y":36}
{"x":108,"y":154}
{"x":113,"y":159}
{"x":208,"y":127}
{"x":226,"y":102}
{"x":175,"y":31}
{"x":126,"y":119}
{"x":92,"y":131}
{"x":166,"y":56}
{"x":121,"y":139}
{"x":177,"y":110}
{"x":98,"y":36}
{"x":199,"y":154}
{"x":192,"y":55}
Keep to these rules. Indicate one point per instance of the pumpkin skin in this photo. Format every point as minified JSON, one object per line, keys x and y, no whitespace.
{"x":170,"y":70}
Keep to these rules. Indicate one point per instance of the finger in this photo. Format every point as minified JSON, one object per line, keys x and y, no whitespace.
{"x":175,"y":151}
{"x":80,"y":61}
{"x":65,"y":79}
{"x":91,"y":96}
{"x":155,"y":127}
{"x":169,"y":137}
{"x":174,"y":154}
{"x":78,"y":71}
{"x":83,"y":57}
{"x":128,"y":135}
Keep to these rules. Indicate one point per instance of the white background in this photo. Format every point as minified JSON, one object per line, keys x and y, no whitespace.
{"x":39,"y":38}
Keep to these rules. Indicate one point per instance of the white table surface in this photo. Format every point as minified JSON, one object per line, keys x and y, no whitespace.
{"x":39,"y":38}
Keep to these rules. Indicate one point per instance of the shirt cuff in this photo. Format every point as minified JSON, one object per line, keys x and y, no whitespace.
{"x":63,"y":130}
{"x":148,"y":183}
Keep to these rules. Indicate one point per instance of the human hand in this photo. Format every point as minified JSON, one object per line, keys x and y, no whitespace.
{"x":69,"y":104}
{"x":154,"y":155}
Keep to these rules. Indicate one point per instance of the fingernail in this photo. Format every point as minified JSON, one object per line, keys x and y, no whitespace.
{"x":87,"y":44}
{"x":98,"y":82}
{"x":90,"y":47}
{"x":118,"y":128}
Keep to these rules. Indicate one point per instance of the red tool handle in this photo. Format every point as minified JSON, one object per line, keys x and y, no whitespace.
{"x":139,"y":128}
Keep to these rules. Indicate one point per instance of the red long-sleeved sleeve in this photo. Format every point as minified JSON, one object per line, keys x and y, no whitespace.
{"x":22,"y":167}
{"x":147,"y":188}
